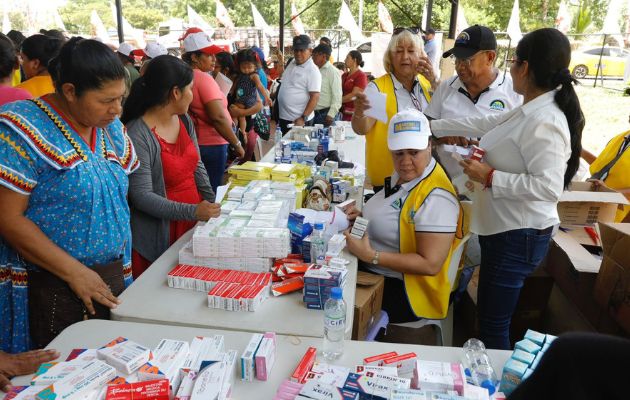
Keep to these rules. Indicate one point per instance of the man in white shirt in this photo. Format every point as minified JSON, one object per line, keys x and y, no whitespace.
{"x":432,"y":50}
{"x":479,"y":88}
{"x":300,"y":87}
{"x":329,"y":103}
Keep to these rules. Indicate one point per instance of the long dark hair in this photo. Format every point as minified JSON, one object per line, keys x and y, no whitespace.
{"x":8,"y":58}
{"x":357,"y":57}
{"x":41,"y":47}
{"x":85,"y":63}
{"x":548,"y":54}
{"x":163,"y":74}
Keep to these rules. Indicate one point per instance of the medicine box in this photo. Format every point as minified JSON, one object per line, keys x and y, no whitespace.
{"x":439,"y":376}
{"x":527,"y":346}
{"x":124,"y":355}
{"x":248,"y":358}
{"x":375,"y":385}
{"x":512,"y":376}
{"x":80,"y":382}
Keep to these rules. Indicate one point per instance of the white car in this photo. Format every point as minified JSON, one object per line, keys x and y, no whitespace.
{"x":364,"y":48}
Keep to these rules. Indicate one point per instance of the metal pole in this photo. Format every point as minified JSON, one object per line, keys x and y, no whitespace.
{"x":281,"y":32}
{"x":361,"y":15}
{"x":119,"y":21}
{"x":599,"y":64}
{"x":453,"y":25}
{"x":429,"y":14}
{"x":507,"y":53}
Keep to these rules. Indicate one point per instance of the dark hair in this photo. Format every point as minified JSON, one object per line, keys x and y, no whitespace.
{"x":323,"y":49}
{"x":41,"y":47}
{"x":54,"y":33}
{"x":16,"y":37}
{"x":8,"y":58}
{"x":246,"y":55}
{"x":225,"y":60}
{"x":163,"y":74}
{"x":357,"y":57}
{"x":187,"y":56}
{"x":325,"y":40}
{"x":340,"y":65}
{"x":548,"y":54}
{"x":85,"y":63}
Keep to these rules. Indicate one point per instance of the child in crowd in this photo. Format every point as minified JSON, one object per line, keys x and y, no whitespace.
{"x":244,"y":92}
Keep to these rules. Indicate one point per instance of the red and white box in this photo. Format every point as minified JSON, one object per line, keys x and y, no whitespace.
{"x":155,"y":390}
{"x":304,"y":366}
{"x":168,"y":358}
{"x":378,"y":359}
{"x":404,"y":363}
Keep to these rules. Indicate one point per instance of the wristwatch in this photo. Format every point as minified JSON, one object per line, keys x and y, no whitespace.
{"x":305,"y":117}
{"x":375,"y":258}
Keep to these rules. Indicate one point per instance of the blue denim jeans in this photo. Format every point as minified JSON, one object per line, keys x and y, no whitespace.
{"x":214,"y":158}
{"x":507,"y":258}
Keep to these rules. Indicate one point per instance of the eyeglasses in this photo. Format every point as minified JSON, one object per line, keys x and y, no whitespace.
{"x":399,"y":30}
{"x":465,"y":61}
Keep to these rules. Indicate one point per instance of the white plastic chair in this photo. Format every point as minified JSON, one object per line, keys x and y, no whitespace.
{"x":445,"y":326}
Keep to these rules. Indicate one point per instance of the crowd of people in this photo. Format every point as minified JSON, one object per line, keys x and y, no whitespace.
{"x":104,"y":162}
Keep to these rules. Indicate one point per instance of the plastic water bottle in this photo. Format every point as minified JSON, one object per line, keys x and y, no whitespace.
{"x":319,"y":245}
{"x":478,"y":366}
{"x":277,"y":146}
{"x":334,"y":324}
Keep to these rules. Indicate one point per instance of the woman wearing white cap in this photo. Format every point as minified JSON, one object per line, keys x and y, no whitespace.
{"x":150,"y":51}
{"x":209,"y":108}
{"x":415,"y":223}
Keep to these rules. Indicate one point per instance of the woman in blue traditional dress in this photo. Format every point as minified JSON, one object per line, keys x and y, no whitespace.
{"x":65,"y":240}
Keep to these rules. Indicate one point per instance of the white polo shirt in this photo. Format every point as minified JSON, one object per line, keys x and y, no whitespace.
{"x":451,"y":100}
{"x":403,"y":97}
{"x":438,"y":213}
{"x":297,"y":83}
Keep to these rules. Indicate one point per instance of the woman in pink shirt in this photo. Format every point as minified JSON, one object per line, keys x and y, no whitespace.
{"x":8,"y":63}
{"x":209,"y":107}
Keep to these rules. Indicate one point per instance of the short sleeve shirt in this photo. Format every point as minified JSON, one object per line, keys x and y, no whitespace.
{"x":205,"y":90}
{"x":298,"y":81}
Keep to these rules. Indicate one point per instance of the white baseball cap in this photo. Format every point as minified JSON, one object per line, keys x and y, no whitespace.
{"x":409,"y":129}
{"x":152,"y":50}
{"x":125,"y":49}
{"x":199,"y":41}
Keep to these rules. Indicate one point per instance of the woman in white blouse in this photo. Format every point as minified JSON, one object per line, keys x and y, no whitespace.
{"x":532,"y":153}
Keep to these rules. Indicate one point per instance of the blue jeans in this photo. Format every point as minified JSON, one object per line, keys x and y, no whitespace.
{"x":507,"y":258}
{"x":214,"y":159}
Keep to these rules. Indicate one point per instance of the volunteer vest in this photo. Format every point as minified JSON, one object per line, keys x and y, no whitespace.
{"x":428,"y":296}
{"x":378,"y":159}
{"x":619,"y":175}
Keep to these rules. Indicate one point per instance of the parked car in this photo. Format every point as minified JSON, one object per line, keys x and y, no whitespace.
{"x":364,"y":48}
{"x":613,"y":61}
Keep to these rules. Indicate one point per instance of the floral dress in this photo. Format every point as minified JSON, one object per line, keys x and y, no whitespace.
{"x":77,"y":197}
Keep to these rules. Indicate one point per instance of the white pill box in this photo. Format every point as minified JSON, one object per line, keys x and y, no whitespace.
{"x":168,"y":358}
{"x":404,"y":363}
{"x":359,"y":227}
{"x":362,"y":369}
{"x":80,"y":382}
{"x":248,"y":366}
{"x":265,"y":358}
{"x":409,"y":394}
{"x":51,"y":372}
{"x":439,"y":376}
{"x":320,"y":391}
{"x":209,"y":382}
{"x":375,"y":385}
{"x":124,"y":355}
{"x":202,"y":349}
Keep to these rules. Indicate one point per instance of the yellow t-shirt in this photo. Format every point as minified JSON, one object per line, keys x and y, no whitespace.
{"x":38,"y":85}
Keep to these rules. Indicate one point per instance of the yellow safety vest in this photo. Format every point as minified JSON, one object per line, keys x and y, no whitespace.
{"x":428,"y":296}
{"x":16,"y":78}
{"x":379,"y":164}
{"x":619,"y":175}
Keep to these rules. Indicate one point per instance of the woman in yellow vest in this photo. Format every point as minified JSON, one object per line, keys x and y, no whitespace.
{"x":408,"y":83}
{"x":37,"y":51}
{"x":415,"y":223}
{"x":617,"y":174}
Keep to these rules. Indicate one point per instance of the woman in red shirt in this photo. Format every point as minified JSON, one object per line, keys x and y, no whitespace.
{"x":170,"y":191}
{"x":354,"y":81}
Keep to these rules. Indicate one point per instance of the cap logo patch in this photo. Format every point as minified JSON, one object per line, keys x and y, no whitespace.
{"x":463,"y":38}
{"x":497,"y":105}
{"x":407,"y":126}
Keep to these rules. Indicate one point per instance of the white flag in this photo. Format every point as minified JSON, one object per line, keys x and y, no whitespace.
{"x":223,"y":16}
{"x":259,"y":21}
{"x":563,"y":19}
{"x":611,"y":22}
{"x":298,"y":27}
{"x":423,"y":23}
{"x":194,"y":19}
{"x":98,"y":29}
{"x":514,"y":26}
{"x":384,"y":19}
{"x":58,"y":21}
{"x":6,"y":23}
{"x":461,"y":20}
{"x":128,"y":29}
{"x":346,"y":20}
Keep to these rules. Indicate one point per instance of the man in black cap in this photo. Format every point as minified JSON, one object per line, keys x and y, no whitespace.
{"x":301,"y":84}
{"x":432,"y":50}
{"x":479,"y":88}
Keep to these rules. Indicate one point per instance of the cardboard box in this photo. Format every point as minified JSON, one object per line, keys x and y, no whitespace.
{"x":580,"y":205}
{"x":367,"y":303}
{"x":612,"y":286}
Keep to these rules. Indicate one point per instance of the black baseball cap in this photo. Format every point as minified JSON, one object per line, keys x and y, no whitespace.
{"x":301,"y":42}
{"x":471,"y":40}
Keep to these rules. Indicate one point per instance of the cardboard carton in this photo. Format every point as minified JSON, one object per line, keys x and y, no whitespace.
{"x":367,"y":303}
{"x":612,"y":286}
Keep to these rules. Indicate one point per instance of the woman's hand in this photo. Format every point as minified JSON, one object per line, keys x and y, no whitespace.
{"x":299,"y":122}
{"x":206,"y":210}
{"x":361,"y":248}
{"x":476,"y":171}
{"x":22,"y":364}
{"x":361,"y":104}
{"x":353,"y":213}
{"x":596,"y":184}
{"x":425,"y":69}
{"x":89,"y":287}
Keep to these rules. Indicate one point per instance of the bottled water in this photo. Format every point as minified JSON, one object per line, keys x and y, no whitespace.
{"x":334,"y":324}
{"x":478,"y":366}
{"x":319,"y":245}
{"x":277,"y":145}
